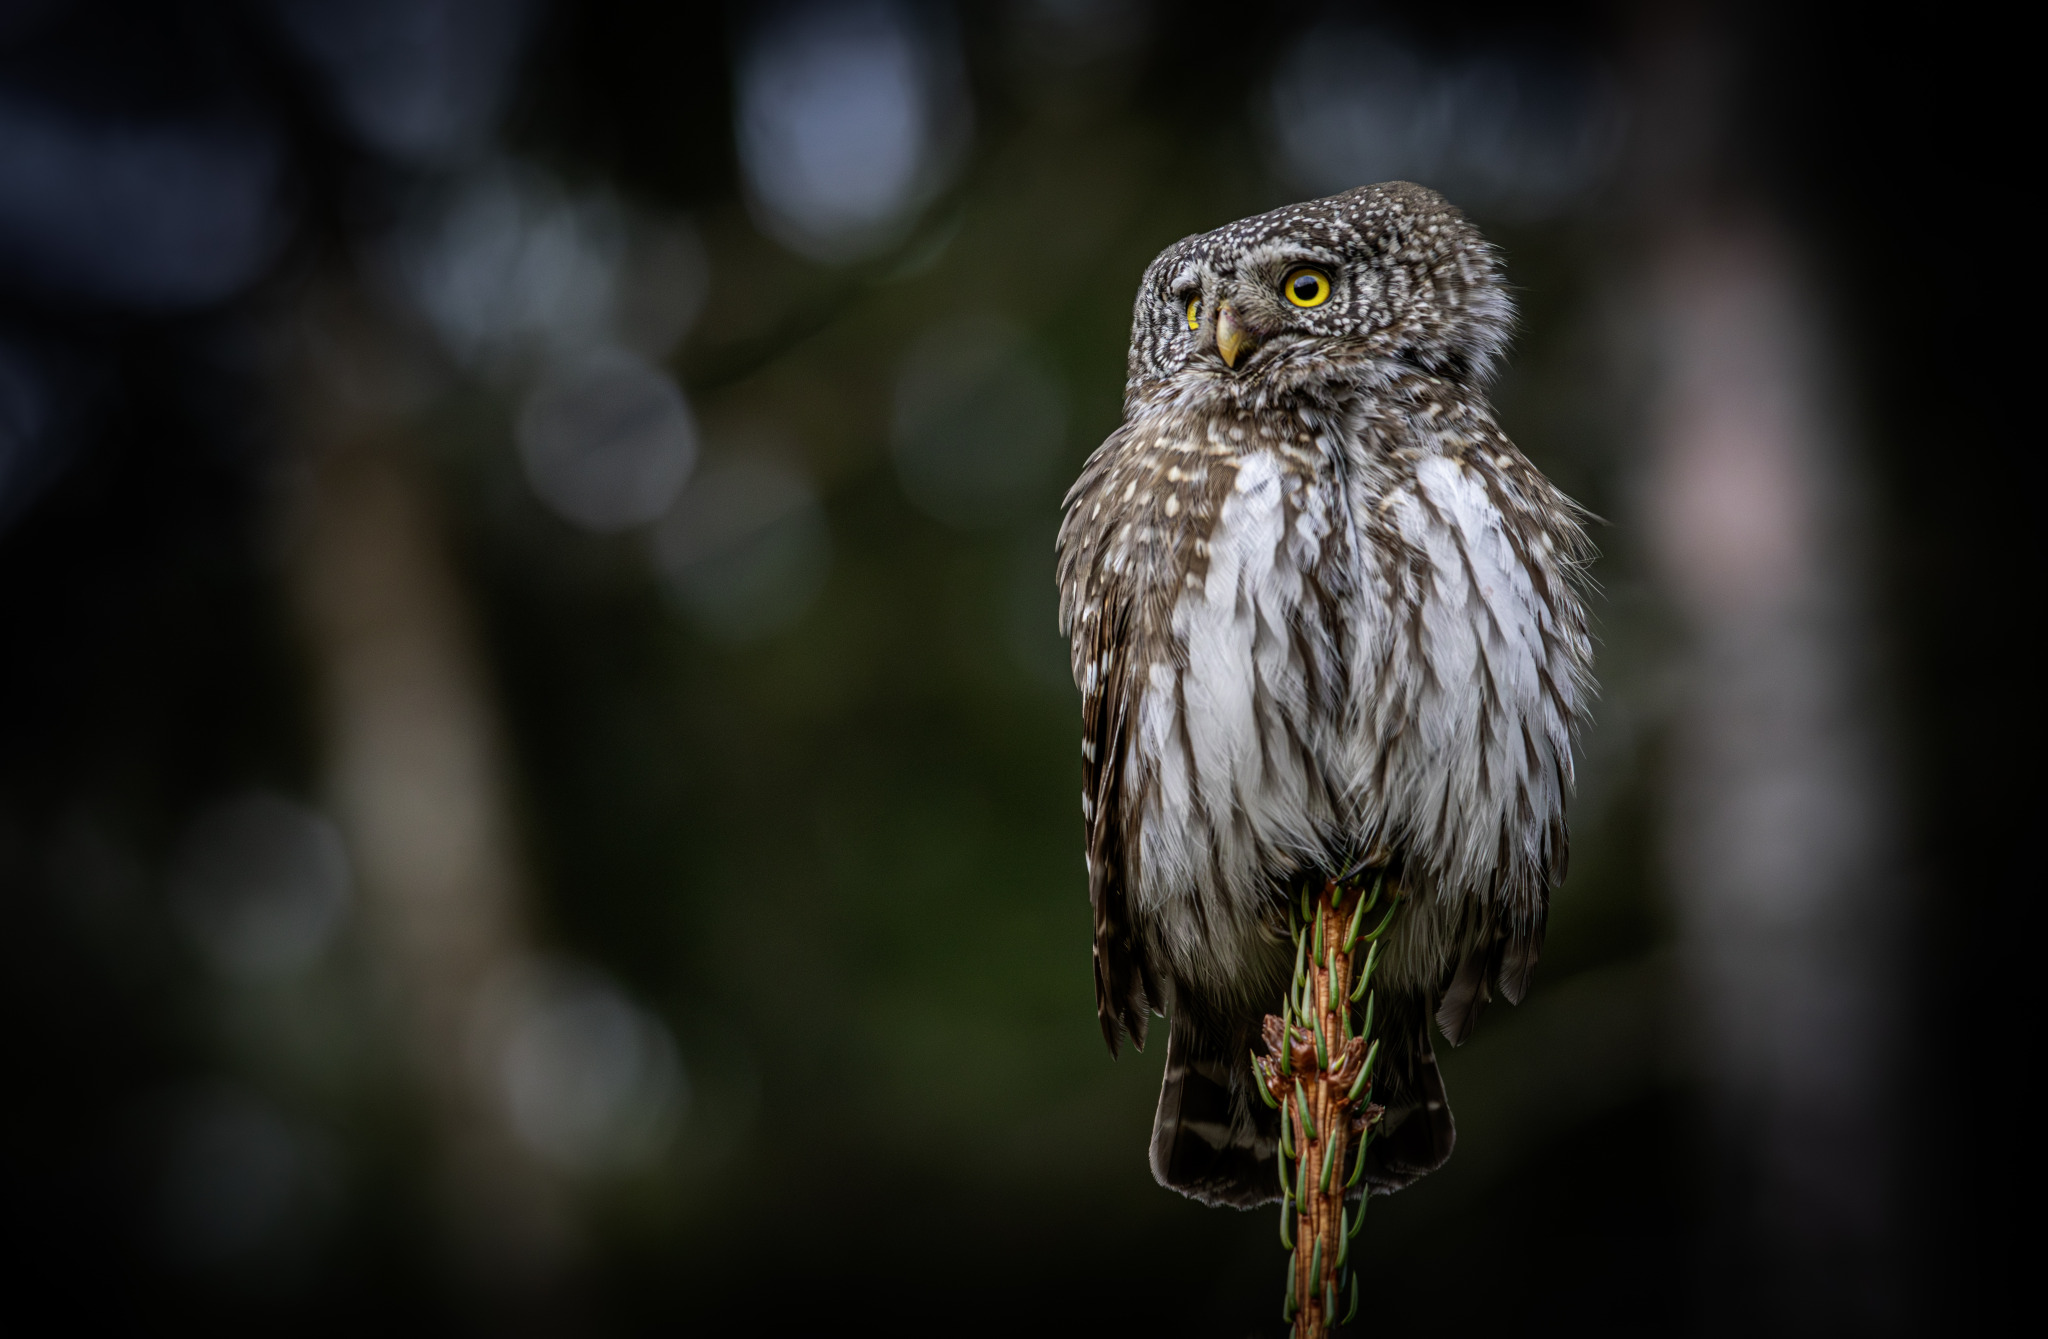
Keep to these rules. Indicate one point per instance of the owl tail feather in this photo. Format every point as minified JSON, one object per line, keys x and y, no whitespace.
{"x":1207,"y":1143}
{"x":1509,"y":959}
{"x":1214,"y":1142}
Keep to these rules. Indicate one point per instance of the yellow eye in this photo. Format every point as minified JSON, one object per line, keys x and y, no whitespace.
{"x":1307,"y":288}
{"x":1194,"y":313}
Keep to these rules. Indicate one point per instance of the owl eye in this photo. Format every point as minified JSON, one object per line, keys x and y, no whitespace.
{"x":1194,"y":313}
{"x":1307,"y":288}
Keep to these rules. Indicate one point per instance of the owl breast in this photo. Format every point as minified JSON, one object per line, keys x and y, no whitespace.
{"x":1471,"y":655}
{"x":1238,"y":746}
{"x":1337,"y":640}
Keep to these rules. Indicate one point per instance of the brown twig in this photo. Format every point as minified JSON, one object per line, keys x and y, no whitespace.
{"x":1318,"y":1070}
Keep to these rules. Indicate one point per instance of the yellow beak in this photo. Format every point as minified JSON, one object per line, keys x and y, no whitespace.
{"x":1231,"y":338}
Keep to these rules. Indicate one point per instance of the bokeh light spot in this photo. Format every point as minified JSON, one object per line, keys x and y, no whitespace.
{"x":606,"y":440}
{"x":261,"y":884}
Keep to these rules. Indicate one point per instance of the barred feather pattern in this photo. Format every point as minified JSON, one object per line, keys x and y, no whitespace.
{"x":1322,"y":611}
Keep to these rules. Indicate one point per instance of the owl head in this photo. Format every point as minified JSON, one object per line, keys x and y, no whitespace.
{"x":1347,"y":289}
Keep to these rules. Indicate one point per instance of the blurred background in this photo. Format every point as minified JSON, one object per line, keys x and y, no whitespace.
{"x":538,"y":784}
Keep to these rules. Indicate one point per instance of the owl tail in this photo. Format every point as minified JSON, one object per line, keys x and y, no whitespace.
{"x":1416,"y":1134}
{"x":1207,"y":1141}
{"x":1215,"y":1142}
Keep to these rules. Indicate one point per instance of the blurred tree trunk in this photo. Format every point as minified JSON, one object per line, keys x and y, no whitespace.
{"x":1781,"y":838}
{"x":415,"y":772}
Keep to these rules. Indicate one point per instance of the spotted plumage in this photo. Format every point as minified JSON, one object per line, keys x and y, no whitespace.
{"x":1324,"y":616}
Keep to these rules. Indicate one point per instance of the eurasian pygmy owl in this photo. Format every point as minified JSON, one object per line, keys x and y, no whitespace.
{"x":1325,"y":617}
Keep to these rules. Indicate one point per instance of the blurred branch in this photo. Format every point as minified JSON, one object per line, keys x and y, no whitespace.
{"x":733,"y":363}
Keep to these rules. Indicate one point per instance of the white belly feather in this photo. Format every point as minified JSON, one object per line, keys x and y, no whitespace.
{"x":1472,"y":699}
{"x":1447,"y":733}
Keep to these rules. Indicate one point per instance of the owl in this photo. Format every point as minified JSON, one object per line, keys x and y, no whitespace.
{"x":1326,"y":620}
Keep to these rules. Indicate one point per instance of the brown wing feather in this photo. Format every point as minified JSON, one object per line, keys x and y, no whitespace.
{"x":1123,"y":980}
{"x":1097,"y":611}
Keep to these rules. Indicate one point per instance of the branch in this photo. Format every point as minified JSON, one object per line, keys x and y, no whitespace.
{"x":1317,"y":1071}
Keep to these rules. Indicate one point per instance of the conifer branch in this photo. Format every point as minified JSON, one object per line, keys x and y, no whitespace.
{"x":1317,"y":1071}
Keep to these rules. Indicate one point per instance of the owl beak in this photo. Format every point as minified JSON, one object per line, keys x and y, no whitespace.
{"x":1231,"y":337}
